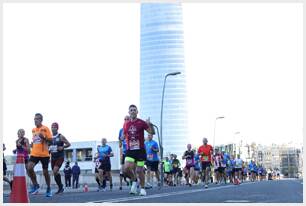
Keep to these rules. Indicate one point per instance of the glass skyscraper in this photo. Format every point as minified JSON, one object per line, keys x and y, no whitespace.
{"x":162,"y":52}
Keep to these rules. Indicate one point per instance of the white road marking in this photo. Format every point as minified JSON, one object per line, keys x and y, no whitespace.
{"x":124,"y":199}
{"x":236,"y":201}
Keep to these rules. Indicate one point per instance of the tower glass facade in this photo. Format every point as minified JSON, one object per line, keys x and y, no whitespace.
{"x":162,"y":52}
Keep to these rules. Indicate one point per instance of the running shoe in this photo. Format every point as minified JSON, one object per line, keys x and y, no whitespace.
{"x":206,"y":186}
{"x":102,"y":188}
{"x":133,"y":188}
{"x":148,"y":186}
{"x":60,"y":190}
{"x":34,"y":190}
{"x":48,"y":192}
{"x":142,"y":192}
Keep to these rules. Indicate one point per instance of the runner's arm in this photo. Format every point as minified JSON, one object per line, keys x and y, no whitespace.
{"x":66,"y":142}
{"x":184,"y":156}
{"x":28,"y":148}
{"x":111,"y":154}
{"x":47,"y":136}
{"x":212,"y":152}
{"x":155,"y":148}
{"x":150,"y":128}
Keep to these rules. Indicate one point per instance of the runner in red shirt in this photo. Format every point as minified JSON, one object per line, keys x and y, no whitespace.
{"x":205,"y":151}
{"x":136,"y":153}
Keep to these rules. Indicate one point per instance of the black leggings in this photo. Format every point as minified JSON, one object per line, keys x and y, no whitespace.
{"x":68,"y":181}
{"x":75,"y":180}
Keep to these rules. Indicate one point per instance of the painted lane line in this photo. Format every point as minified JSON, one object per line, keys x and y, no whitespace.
{"x":124,"y":199}
{"x":236,"y":201}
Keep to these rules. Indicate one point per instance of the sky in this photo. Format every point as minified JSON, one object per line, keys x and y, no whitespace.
{"x":78,"y":64}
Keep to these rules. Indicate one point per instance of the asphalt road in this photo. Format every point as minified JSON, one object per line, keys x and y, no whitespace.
{"x":282,"y":191}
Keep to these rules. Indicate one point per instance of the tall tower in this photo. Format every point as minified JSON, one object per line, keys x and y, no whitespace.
{"x":162,"y":52}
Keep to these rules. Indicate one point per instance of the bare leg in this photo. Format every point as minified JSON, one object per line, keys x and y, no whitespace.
{"x":148,"y":175}
{"x":47,"y":176}
{"x":129,"y":170}
{"x":109,"y":174}
{"x":31,"y":173}
{"x":157,"y":175}
{"x":141,"y":175}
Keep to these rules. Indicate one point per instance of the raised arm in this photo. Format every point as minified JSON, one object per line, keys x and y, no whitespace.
{"x":150,"y":128}
{"x":66,"y":143}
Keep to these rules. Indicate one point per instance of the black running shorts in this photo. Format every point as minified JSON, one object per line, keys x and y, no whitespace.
{"x":44,"y":161}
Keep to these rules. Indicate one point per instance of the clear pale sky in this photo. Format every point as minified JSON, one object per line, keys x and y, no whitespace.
{"x":78,"y":64}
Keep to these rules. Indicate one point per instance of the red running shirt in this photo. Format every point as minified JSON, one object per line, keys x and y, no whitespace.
{"x":134,"y":134}
{"x":205,"y":153}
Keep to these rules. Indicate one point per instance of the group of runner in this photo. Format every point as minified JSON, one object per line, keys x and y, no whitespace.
{"x":134,"y":154}
{"x":46,"y":146}
{"x":208,"y":166}
{"x":202,"y":164}
{"x":138,"y":156}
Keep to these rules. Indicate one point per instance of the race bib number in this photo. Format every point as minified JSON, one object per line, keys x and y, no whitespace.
{"x":53,"y":148}
{"x":36,"y":140}
{"x":205,"y":158}
{"x":189,"y":161}
{"x":134,"y":144}
{"x":98,"y":164}
{"x":150,"y":156}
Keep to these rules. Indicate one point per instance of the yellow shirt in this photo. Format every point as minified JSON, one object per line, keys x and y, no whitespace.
{"x":40,"y":146}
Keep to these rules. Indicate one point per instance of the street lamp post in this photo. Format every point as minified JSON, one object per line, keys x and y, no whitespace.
{"x":215,"y":131}
{"x":160,"y":146}
{"x":288,"y":162}
{"x":235,"y":146}
{"x":161,"y":149}
{"x":161,"y":125}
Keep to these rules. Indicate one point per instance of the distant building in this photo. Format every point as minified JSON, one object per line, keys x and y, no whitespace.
{"x":242,"y":148}
{"x":288,"y":158}
{"x":162,"y":52}
{"x":291,"y":161}
{"x":269,"y":156}
{"x":228,"y":148}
